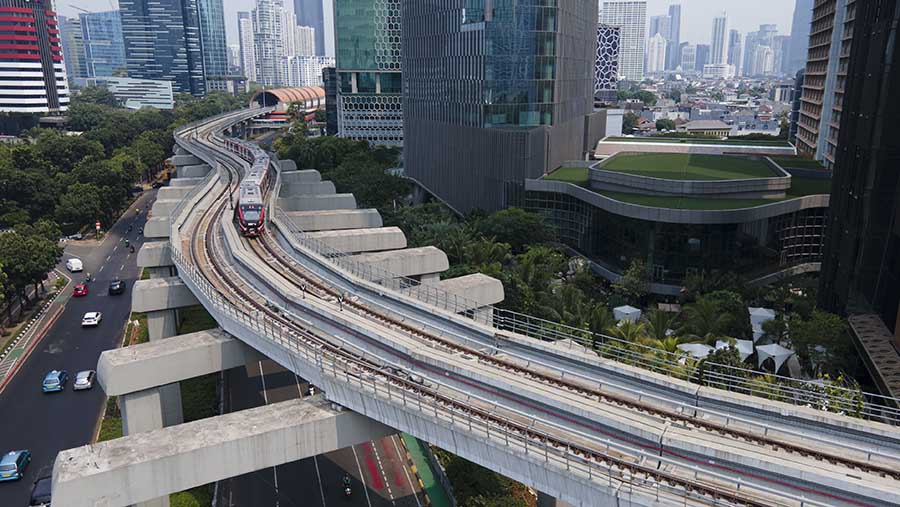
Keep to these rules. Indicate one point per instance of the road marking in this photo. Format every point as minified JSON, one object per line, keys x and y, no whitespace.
{"x":361,"y":476}
{"x":384,"y":476}
{"x":115,"y":248}
{"x":101,"y":269}
{"x":121,"y":267}
{"x":321,"y":491}
{"x":412,"y":487}
{"x":107,"y":257}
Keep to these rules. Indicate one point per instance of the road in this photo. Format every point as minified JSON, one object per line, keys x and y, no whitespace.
{"x":379,"y":471}
{"x":48,"y":423}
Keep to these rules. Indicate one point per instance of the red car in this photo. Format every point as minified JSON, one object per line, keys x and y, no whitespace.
{"x":80,"y":290}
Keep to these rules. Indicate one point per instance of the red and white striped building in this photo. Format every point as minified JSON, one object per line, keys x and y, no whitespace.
{"x":32,"y":74}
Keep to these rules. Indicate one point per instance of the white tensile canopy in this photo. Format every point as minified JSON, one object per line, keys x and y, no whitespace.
{"x":745,"y":347}
{"x":697,"y":350}
{"x":627,"y":313}
{"x":778,"y":354}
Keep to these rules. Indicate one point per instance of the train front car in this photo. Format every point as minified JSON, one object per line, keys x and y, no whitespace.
{"x":251,"y":213}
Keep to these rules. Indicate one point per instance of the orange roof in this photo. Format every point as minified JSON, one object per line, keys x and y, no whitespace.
{"x":291,"y":95}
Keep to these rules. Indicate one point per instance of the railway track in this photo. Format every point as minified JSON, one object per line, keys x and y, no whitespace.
{"x":205,"y":247}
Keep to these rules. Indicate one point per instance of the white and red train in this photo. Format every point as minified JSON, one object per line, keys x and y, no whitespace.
{"x":250,"y":211}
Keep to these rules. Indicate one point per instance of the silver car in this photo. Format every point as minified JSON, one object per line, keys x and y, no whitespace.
{"x":84,"y":380}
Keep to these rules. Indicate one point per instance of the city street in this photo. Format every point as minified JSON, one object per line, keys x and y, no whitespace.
{"x":48,"y":423}
{"x":379,"y":470}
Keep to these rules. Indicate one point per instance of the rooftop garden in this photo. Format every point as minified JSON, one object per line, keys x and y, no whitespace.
{"x":699,"y":140}
{"x":576,"y":175}
{"x":683,"y":166}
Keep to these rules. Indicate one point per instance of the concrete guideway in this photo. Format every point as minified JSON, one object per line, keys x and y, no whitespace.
{"x":154,"y":464}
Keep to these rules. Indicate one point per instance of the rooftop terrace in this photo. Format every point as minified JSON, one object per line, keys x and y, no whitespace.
{"x":700,"y":140}
{"x":684,"y":166}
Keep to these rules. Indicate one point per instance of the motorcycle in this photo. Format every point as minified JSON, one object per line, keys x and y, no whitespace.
{"x":347,"y":491}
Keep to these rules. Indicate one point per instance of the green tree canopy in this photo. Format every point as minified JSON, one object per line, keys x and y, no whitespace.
{"x":515,"y":227}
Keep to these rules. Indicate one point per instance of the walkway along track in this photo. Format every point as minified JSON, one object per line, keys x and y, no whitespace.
{"x":204,"y":256}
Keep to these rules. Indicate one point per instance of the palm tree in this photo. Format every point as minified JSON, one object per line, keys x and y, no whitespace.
{"x":660,"y":323}
{"x":704,"y":321}
{"x":628,"y":331}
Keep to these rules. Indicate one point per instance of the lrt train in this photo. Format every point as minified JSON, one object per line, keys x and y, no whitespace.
{"x":250,"y":212}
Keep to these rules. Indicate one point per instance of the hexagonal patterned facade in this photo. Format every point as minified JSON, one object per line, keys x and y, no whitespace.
{"x":606,"y":70}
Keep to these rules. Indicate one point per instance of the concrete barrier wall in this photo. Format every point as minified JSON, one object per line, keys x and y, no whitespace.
{"x":329,"y":220}
{"x":317,"y":202}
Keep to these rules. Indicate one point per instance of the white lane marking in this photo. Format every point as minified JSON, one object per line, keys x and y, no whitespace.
{"x":405,"y":470}
{"x":121,"y":267}
{"x":101,"y":268}
{"x":321,"y":491}
{"x":384,"y":476}
{"x":107,"y":257}
{"x":115,"y":248}
{"x":361,"y":476}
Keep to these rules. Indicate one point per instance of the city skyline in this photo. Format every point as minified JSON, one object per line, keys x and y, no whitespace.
{"x":696,"y":15}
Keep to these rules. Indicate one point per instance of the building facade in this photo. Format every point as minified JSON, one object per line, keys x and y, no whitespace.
{"x":797,"y":53}
{"x":268,"y":41}
{"x":689,"y":58}
{"x":248,"y":46}
{"x":513,"y":101}
{"x":163,"y":43}
{"x":861,"y":269}
{"x":631,"y":17}
{"x":311,"y":13}
{"x":34,"y":79}
{"x":656,"y":54}
{"x":104,"y":46}
{"x":73,"y":46}
{"x":212,"y":35}
{"x":369,"y":69}
{"x":606,"y":70}
{"x":136,"y":93}
{"x":719,"y":38}
{"x":674,"y":49}
{"x":734,"y":50}
{"x":306,"y":71}
{"x":306,"y":41}
{"x":703,"y":53}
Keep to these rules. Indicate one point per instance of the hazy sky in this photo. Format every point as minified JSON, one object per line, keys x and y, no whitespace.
{"x":696,"y":15}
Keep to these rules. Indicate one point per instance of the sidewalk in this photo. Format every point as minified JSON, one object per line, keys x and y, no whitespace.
{"x":35,"y":329}
{"x":431,"y":485}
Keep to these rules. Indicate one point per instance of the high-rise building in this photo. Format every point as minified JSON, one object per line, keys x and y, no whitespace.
{"x":719,"y":40}
{"x":303,"y":71}
{"x":861,"y":266}
{"x":631,"y":17}
{"x":656,"y":54}
{"x":751,"y":41}
{"x":212,"y":34}
{"x":319,"y":14}
{"x":606,"y":70}
{"x":306,"y":41}
{"x":799,"y":36}
{"x":37,"y":83}
{"x":73,"y":47}
{"x":703,"y":52}
{"x":689,"y":58}
{"x":512,"y":101}
{"x":289,"y":33}
{"x":782,"y":49}
{"x":661,"y":25}
{"x":104,"y":47}
{"x":369,"y":64}
{"x":269,"y":42}
{"x":796,"y":95}
{"x":234,"y":59}
{"x":163,"y":42}
{"x":734,"y":51}
{"x":248,"y":48}
{"x":674,"y":49}
{"x":830,"y":40}
{"x":329,"y":77}
{"x":763,"y":61}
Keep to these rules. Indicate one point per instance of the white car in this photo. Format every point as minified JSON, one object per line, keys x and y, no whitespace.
{"x":84,"y":380}
{"x":74,"y":265}
{"x":91,"y":319}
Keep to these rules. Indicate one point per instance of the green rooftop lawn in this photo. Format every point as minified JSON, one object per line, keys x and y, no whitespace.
{"x":735,"y":141}
{"x":577,"y":175}
{"x":682,"y":166}
{"x":808,"y":186}
{"x":798,"y":163}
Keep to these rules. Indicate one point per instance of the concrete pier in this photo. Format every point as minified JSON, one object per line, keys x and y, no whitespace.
{"x":330,"y":220}
{"x":362,"y":240}
{"x":317,"y":202}
{"x":410,"y":262}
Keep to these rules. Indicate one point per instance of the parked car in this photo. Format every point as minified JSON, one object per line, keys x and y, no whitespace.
{"x":55,"y":381}
{"x":116,"y":286}
{"x":91,"y":319}
{"x":84,"y":380}
{"x":13,"y":464}
{"x":40,"y":492}
{"x":74,"y":265}
{"x":80,"y":290}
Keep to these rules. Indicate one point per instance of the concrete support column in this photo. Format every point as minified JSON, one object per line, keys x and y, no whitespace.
{"x":430,"y":279}
{"x":545,"y":500}
{"x":485,"y":314}
{"x":161,"y":272}
{"x":141,"y":411}
{"x":162,"y":324}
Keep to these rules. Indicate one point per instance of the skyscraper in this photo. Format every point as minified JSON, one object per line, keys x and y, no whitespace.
{"x":719,"y":40}
{"x":661,"y":25}
{"x":212,"y":34}
{"x":703,"y":53}
{"x":306,"y":41}
{"x":734,"y":50}
{"x":73,"y":46}
{"x":512,"y":101}
{"x":830,"y":41}
{"x":656,"y":54}
{"x":799,"y":36}
{"x":104,"y":47}
{"x":369,"y":64}
{"x":781,"y":46}
{"x":631,"y":17}
{"x":319,"y":14}
{"x":606,"y":70}
{"x":163,"y":42}
{"x":248,"y":48}
{"x":674,"y":49}
{"x":861,"y":267}
{"x":38,"y":84}
{"x":269,"y":42}
{"x":689,"y":58}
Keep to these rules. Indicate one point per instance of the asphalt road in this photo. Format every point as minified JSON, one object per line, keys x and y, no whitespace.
{"x":48,"y":423}
{"x":378,"y":470}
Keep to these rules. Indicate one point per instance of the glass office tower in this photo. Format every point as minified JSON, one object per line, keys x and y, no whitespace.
{"x":104,"y":47}
{"x":493,"y":96}
{"x":163,"y":42}
{"x":368,"y":49}
{"x":212,"y":32}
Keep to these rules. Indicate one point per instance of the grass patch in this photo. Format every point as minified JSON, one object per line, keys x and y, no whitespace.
{"x":111,"y":425}
{"x":681,"y":166}
{"x":198,"y":397}
{"x":200,"y":496}
{"x":809,"y":186}
{"x":577,"y":175}
{"x":798,"y":163}
{"x":677,"y":140}
{"x":145,"y":274}
{"x":689,"y":203}
{"x":143,"y":332}
{"x":195,"y":318}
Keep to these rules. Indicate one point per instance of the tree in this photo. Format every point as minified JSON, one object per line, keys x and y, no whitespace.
{"x":65,"y":152}
{"x":732,"y":304}
{"x":634,"y":284}
{"x":629,"y":123}
{"x":665,"y":124}
{"x":725,"y":361}
{"x":80,"y":205}
{"x":675,"y":95}
{"x":822,"y":343}
{"x":515,"y":227}
{"x":660,"y":323}
{"x":629,"y":331}
{"x":98,"y":95}
{"x":704,"y":321}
